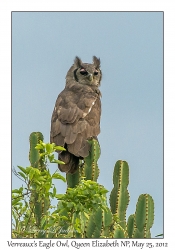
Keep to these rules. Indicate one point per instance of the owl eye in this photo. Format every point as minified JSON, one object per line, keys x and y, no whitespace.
{"x":95,"y":73}
{"x":83,"y":72}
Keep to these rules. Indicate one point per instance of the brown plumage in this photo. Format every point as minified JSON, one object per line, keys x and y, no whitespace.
{"x":77,"y":111}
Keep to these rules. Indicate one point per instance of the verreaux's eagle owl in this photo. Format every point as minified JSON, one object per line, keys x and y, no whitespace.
{"x":77,"y":111}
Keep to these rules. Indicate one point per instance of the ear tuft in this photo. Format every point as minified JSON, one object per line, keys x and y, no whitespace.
{"x":77,"y":62}
{"x":96,"y":62}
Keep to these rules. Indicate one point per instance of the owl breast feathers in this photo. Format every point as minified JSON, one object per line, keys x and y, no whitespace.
{"x":76,"y":115}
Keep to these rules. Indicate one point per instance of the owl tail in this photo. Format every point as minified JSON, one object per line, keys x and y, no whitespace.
{"x":71,"y":162}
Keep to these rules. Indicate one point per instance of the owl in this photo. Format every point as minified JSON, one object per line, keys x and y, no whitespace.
{"x":76,"y":115}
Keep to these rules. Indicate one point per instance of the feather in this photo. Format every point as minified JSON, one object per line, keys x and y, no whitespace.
{"x":96,"y":62}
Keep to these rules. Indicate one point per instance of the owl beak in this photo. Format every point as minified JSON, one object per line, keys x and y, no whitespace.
{"x":90,"y":77}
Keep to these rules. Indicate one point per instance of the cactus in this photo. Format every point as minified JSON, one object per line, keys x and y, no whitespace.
{"x":73,"y":179}
{"x":97,"y":220}
{"x":119,"y":197}
{"x":39,"y":205}
{"x":119,"y":232}
{"x":107,"y":223}
{"x":144,"y":216}
{"x":130,"y":225}
{"x":89,"y":169}
{"x":112,"y":223}
{"x":107,"y":220}
{"x":94,"y":225}
{"x":99,"y":225}
{"x":139,"y":224}
{"x":34,"y":155}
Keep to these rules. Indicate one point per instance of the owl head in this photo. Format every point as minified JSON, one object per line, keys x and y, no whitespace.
{"x":85,"y":73}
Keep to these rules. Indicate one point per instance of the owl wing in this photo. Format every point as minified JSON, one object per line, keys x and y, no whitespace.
{"x":76,"y":118}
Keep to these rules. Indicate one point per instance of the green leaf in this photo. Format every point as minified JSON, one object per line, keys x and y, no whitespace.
{"x":15,"y":201}
{"x":22,"y":169}
{"x":70,"y":204}
{"x":58,"y":176}
{"x":58,"y":161}
{"x":49,"y":148}
{"x":59,"y":148}
{"x":54,"y":191}
{"x":22,"y":175}
{"x":59,"y":196}
{"x":45,"y":173}
{"x":64,"y":217}
{"x":28,"y":169}
{"x":81,"y":196}
{"x":21,"y":189}
{"x":39,"y":146}
{"x":41,"y":178}
{"x":42,"y":154}
{"x":16,"y":191}
{"x":56,"y":212}
{"x":51,"y":157}
{"x":104,"y":191}
{"x":36,"y":171}
{"x":37,"y":182}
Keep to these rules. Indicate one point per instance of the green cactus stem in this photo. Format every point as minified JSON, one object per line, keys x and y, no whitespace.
{"x":94,"y":225}
{"x":119,"y":197}
{"x":118,"y":232}
{"x":34,"y":154}
{"x":73,"y":179}
{"x":107,"y":220}
{"x":144,"y":216}
{"x":130,"y":225}
{"x":90,"y":169}
{"x":38,"y":204}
